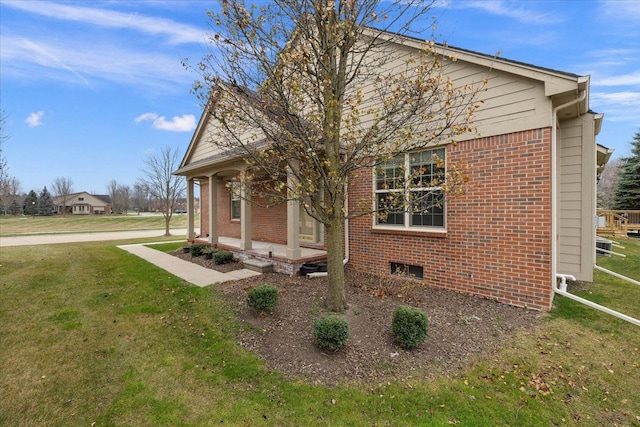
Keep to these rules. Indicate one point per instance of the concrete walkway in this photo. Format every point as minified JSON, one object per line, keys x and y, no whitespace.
{"x":188,"y":271}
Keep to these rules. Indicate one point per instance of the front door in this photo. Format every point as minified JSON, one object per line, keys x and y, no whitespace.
{"x":308,"y":227}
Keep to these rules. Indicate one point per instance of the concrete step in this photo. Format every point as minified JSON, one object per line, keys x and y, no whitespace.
{"x":258,"y":265}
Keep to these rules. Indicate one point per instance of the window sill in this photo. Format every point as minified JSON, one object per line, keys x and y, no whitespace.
{"x":410,"y":232}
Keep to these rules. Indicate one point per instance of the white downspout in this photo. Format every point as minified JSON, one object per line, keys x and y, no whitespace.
{"x":554,"y":189}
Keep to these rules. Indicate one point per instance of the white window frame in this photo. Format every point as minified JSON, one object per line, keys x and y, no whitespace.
{"x":234,"y":197}
{"x":406,"y":225}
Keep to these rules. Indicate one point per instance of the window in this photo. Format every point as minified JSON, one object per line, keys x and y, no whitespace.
{"x":235,"y":199}
{"x":408,"y":190}
{"x":407,"y":270}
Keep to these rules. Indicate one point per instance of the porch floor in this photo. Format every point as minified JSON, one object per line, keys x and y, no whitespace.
{"x":261,"y":250}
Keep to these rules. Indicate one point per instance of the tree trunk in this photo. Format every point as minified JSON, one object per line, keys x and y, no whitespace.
{"x":335,"y":300}
{"x":167,"y":220}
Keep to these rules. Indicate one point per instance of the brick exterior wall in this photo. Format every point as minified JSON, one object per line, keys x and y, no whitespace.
{"x":269,"y":224}
{"x":498,"y":239}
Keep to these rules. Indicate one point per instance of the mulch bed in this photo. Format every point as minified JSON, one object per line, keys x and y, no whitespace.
{"x":460,"y":326}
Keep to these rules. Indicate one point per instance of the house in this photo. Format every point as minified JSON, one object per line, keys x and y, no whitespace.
{"x":528,"y":217}
{"x":83,"y":203}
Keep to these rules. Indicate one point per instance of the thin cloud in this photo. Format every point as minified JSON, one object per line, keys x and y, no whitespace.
{"x":80,"y":61}
{"x":176,"y":32}
{"x":507,"y":9}
{"x":34,"y":119}
{"x":625,"y":10}
{"x":618,"y":106}
{"x":37,"y":53}
{"x":632,"y":78}
{"x":183,"y":123}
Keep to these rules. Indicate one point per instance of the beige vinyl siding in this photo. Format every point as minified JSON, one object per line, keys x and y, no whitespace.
{"x":509,"y":103}
{"x":205,"y":147}
{"x":576,"y":198}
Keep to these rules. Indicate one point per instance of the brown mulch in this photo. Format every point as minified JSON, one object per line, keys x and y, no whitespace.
{"x":460,"y":326}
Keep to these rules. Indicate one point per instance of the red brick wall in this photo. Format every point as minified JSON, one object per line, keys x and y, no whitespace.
{"x":269,"y":224}
{"x":498,"y":239}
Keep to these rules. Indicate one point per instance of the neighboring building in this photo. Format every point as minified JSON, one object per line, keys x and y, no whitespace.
{"x":84,"y":204}
{"x":534,"y":175}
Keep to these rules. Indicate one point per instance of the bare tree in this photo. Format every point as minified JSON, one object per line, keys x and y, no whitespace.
{"x":112,"y":190}
{"x":5,"y":179}
{"x":308,"y":87}
{"x":10,"y":189}
{"x":140,"y":197}
{"x":3,"y":137}
{"x":62,"y":187}
{"x":124,"y":197}
{"x":161,"y":184}
{"x":120,"y":195}
{"x":608,"y":183}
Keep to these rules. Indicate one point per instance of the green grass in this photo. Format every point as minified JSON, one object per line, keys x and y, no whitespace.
{"x":92,"y":334}
{"x":168,"y":247}
{"x":24,"y":225}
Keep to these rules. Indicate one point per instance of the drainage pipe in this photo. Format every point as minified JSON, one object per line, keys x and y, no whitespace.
{"x":619,"y":276}
{"x":554,"y":184}
{"x":606,"y":251}
{"x":562,"y":290}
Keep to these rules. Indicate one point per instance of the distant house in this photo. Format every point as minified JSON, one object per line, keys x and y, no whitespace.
{"x":83,"y":204}
{"x":530,"y":218}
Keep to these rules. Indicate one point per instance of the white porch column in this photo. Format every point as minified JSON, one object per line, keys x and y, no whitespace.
{"x":245,"y":215}
{"x":190,"y":209}
{"x":213,"y":210}
{"x":293,"y":223}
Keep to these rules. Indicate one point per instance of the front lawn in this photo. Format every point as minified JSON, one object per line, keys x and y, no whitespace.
{"x":56,"y":224}
{"x":92,"y":335}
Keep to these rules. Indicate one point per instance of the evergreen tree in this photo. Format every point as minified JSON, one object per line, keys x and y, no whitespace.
{"x":627,"y":195}
{"x":30,"y":203}
{"x":45,"y":203}
{"x":14,"y":208}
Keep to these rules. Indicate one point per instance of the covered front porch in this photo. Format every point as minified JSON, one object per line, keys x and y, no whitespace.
{"x":253,"y":232}
{"x":267,"y":252}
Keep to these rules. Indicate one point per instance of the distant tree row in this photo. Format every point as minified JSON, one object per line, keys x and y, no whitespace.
{"x":158,"y":190}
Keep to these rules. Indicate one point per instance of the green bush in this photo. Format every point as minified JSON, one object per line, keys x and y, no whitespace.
{"x":409,"y":326}
{"x":197,"y":249}
{"x":263,"y":298}
{"x":222,"y":257}
{"x":331,"y":332}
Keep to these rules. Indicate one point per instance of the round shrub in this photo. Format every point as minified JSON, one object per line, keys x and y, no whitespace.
{"x":263,"y":298}
{"x":409,"y":326}
{"x":331,"y":332}
{"x":222,"y":257}
{"x":197,"y":249}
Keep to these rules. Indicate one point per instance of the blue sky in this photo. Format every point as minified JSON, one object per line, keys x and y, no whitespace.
{"x":91,"y":88}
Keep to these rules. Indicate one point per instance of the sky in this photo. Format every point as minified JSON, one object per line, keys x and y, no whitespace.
{"x":90,"y":89}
